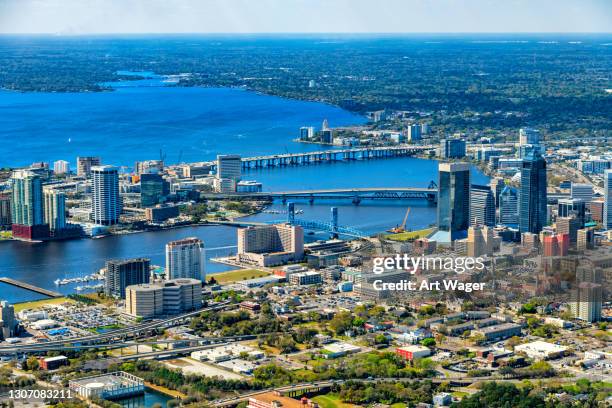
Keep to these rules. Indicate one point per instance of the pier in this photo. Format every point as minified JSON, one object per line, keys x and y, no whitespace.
{"x":32,"y":288}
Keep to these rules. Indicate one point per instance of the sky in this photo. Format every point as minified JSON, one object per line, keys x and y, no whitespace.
{"x":74,"y":17}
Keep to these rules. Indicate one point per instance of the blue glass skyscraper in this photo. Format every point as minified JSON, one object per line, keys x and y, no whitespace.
{"x":532,"y":204}
{"x":454,"y":200}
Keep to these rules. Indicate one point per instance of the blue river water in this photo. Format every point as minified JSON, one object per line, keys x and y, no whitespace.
{"x":139,"y":118}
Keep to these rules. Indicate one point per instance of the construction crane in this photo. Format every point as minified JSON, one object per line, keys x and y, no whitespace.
{"x":401,"y":228}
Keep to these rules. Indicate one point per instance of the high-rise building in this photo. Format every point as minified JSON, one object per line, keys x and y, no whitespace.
{"x":607,"y":210}
{"x":582,"y":192}
{"x":55,"y":209}
{"x":529,"y":136}
{"x":597,"y":210}
{"x":8,"y":323}
{"x":153,"y":189}
{"x":452,"y":148}
{"x":270,"y":245}
{"x":27,"y":206}
{"x":414,"y":132}
{"x":508,"y":206}
{"x":106,"y":203}
{"x":568,"y":207}
{"x":497,"y":186}
{"x":479,"y":241}
{"x":84,"y":165}
{"x":482,"y":206}
{"x":588,"y":293}
{"x":532,"y":199}
{"x":5,"y":209}
{"x":123,"y":273}
{"x":454,"y":199}
{"x":306,"y":133}
{"x":229,"y":172}
{"x":61,"y":167}
{"x":585,"y":239}
{"x":569,"y":226}
{"x":327,"y":135}
{"x":185,"y":258}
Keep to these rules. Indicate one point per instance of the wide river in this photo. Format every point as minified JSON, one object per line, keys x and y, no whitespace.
{"x":139,"y":118}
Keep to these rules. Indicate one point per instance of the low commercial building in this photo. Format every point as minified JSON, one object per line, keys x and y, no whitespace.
{"x":161,"y":213}
{"x":165,"y":298}
{"x":53,"y":363}
{"x":413,"y":352}
{"x":499,"y":332}
{"x":340,"y":349}
{"x":225,"y":353}
{"x":541,"y":350}
{"x":305,"y":278}
{"x":44,"y":324}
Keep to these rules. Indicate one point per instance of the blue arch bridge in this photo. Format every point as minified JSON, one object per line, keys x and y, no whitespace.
{"x":331,"y":226}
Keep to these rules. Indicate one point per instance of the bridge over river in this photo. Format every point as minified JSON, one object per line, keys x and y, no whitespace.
{"x":356,"y":195}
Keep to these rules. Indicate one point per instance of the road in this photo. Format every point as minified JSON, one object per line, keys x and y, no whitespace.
{"x":107,"y":337}
{"x":228,"y":402}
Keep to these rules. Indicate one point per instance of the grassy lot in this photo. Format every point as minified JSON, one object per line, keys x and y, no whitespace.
{"x":239,"y":275}
{"x":409,"y":235}
{"x":38,"y":303}
{"x":331,"y":401}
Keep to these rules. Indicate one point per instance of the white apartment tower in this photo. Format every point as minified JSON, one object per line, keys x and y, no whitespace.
{"x":54,"y":209}
{"x":185,"y":259}
{"x":105,"y":202}
{"x":61,"y":167}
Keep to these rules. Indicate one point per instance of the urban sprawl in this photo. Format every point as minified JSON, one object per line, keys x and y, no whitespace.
{"x":299,"y":323}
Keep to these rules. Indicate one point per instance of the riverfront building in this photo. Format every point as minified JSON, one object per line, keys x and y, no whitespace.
{"x":55,"y":209}
{"x":453,"y":200}
{"x":164,"y":298}
{"x":106,"y":202}
{"x":153,"y":189}
{"x":452,"y":148}
{"x":269,"y":245}
{"x":5,"y":209}
{"x":229,"y":172}
{"x":123,"y":273}
{"x":185,"y":258}
{"x":532,"y":203}
{"x":27,"y":206}
{"x":84,"y":165}
{"x":111,"y":386}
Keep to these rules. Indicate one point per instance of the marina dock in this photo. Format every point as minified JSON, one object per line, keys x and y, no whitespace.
{"x":32,"y":288}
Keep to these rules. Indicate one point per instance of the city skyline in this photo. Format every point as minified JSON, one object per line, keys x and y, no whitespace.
{"x":273,"y":16}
